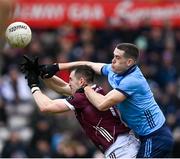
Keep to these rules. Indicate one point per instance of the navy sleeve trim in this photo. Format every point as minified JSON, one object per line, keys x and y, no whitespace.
{"x":127,"y":95}
{"x":102,"y":70}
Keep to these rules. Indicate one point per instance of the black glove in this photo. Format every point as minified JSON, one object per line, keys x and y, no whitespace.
{"x":47,"y":71}
{"x":32,"y":79}
{"x":31,"y":70}
{"x":30,"y":65}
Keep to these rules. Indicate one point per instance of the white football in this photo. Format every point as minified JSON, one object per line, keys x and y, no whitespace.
{"x":18,"y":34}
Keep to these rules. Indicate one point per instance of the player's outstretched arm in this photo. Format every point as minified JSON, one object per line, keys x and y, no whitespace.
{"x":95,"y":66}
{"x":57,"y":84}
{"x":48,"y":71}
{"x":45,"y":104}
{"x":102,"y":102}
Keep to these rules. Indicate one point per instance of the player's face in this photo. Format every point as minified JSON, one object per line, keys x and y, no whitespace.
{"x":74,"y":83}
{"x":119,"y":62}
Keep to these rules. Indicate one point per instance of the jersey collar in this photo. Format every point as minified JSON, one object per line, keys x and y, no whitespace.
{"x":128,"y":71}
{"x":81,"y":90}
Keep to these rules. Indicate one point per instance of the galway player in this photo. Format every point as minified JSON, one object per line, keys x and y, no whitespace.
{"x":104,"y":128}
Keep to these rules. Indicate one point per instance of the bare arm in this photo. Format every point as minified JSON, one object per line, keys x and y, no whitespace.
{"x":102,"y":102}
{"x":95,"y":66}
{"x":45,"y":104}
{"x":57,"y":84}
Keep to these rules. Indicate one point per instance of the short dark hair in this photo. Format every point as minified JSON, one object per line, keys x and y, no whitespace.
{"x":131,"y":50}
{"x":84,"y":71}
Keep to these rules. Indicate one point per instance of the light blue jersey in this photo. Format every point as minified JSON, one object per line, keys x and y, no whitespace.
{"x":139,"y":111}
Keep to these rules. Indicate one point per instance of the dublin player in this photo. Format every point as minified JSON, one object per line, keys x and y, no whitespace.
{"x":104,"y":128}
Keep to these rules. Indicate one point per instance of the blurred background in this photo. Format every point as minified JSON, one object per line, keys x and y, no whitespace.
{"x":72,"y":30}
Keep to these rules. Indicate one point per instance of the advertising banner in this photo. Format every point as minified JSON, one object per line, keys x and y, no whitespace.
{"x":113,"y":13}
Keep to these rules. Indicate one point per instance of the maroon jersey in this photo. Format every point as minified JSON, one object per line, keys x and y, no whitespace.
{"x":102,"y":127}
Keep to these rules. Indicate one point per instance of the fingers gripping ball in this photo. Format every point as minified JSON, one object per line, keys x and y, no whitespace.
{"x":18,"y":34}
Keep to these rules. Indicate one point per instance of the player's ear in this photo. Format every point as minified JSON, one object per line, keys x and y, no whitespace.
{"x":130,"y":62}
{"x":82,"y":81}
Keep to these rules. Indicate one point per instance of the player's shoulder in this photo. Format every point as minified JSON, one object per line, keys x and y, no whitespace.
{"x":79,"y":95}
{"x":131,"y":81}
{"x":106,"y":68}
{"x":135,"y":76}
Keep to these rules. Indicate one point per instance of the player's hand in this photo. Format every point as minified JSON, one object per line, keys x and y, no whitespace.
{"x":31,"y":71}
{"x":30,"y":65}
{"x":32,"y":79}
{"x":47,"y":71}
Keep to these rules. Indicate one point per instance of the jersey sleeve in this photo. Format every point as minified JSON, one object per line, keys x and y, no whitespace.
{"x":69,"y":103}
{"x":105,"y":69}
{"x":128,"y":86}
